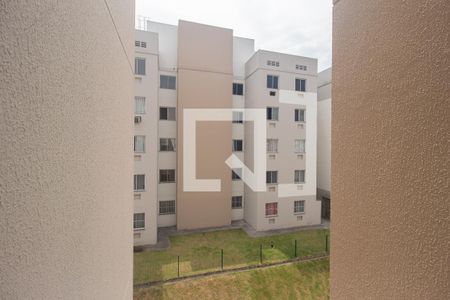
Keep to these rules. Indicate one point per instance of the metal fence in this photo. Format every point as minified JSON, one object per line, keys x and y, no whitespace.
{"x":162,"y":267}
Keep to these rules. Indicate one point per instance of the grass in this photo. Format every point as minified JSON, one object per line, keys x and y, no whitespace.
{"x":201,"y":252}
{"x":307,"y":280}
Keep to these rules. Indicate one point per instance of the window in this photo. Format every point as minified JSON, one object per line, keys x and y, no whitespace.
{"x":166,"y":144}
{"x":299,"y":146}
{"x":271,"y":176}
{"x":139,"y":66}
{"x":299,"y":206}
{"x":299,"y":115}
{"x":167,"y":82}
{"x":272,"y":113}
{"x":301,"y":67}
{"x":166,"y":176}
{"x":237,"y":145}
{"x":273,"y":63}
{"x":167,"y":113}
{"x":139,"y":105}
{"x":300,"y":85}
{"x":139,"y":221}
{"x":272,"y":145}
{"x":140,"y":44}
{"x":272,"y":209}
{"x":167,"y":207}
{"x":299,"y":176}
{"x":236,"y":202}
{"x":238,"y":89}
{"x":139,"y":143}
{"x":139,"y":182}
{"x":272,"y":82}
{"x":236,"y":174}
{"x":238,"y":117}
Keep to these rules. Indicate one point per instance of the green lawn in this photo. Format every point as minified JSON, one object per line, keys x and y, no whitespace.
{"x":307,"y":280}
{"x":201,"y":252}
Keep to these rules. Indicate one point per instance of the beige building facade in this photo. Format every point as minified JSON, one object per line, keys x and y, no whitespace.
{"x":65,"y":153}
{"x":206,"y":67}
{"x":390,"y":149}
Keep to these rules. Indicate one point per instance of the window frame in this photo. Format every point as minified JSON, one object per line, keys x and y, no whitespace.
{"x":297,"y":179}
{"x":136,"y":183}
{"x":298,"y":113}
{"x":165,"y":82}
{"x":167,"y":144}
{"x":268,"y":150}
{"x":270,"y":112}
{"x":300,"y":143}
{"x":136,"y":99}
{"x":137,"y":69}
{"x":235,"y":143}
{"x":300,"y":81}
{"x":170,"y":209}
{"x":301,"y":204}
{"x":270,"y":174}
{"x":271,"y":211}
{"x":136,"y":221}
{"x":238,"y":89}
{"x":166,"y":173}
{"x":236,"y":199}
{"x":168,"y":109}
{"x":272,"y":81}
{"x":136,"y":138}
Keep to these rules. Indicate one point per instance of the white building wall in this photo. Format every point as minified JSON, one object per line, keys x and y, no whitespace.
{"x":146,"y":163}
{"x":324,"y":133}
{"x":243,"y":49}
{"x":286,"y":130}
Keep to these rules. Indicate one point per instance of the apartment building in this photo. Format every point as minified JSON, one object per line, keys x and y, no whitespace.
{"x":195,"y":66}
{"x":324,"y":140}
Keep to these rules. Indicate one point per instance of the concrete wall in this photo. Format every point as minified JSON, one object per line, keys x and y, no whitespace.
{"x":324,"y":134}
{"x":205,"y":74}
{"x":66,"y":158}
{"x":390,"y":149}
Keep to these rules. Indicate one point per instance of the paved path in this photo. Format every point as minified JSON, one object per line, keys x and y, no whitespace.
{"x":165,"y":232}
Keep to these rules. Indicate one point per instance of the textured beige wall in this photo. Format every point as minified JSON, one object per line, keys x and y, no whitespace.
{"x":66,"y":97}
{"x":390,"y":150}
{"x":205,"y":69}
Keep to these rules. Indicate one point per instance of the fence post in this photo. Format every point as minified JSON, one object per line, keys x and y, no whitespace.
{"x":178,"y":269}
{"x":260,"y":253}
{"x":221,"y":262}
{"x":295,"y":248}
{"x":326,"y":243}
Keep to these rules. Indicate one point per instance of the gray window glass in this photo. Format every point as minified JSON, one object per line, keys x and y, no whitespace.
{"x":167,"y":82}
{"x":139,"y":66}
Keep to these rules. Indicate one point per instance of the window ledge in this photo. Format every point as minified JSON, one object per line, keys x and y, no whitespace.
{"x":139,"y":229}
{"x":271,"y":216}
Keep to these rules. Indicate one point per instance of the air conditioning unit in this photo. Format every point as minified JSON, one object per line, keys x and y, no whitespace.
{"x":137,"y":119}
{"x":272,"y":93}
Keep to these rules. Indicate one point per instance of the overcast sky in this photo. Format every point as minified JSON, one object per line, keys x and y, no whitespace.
{"x":301,"y":27}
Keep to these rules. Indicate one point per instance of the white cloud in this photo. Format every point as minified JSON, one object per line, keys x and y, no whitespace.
{"x":301,"y":27}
